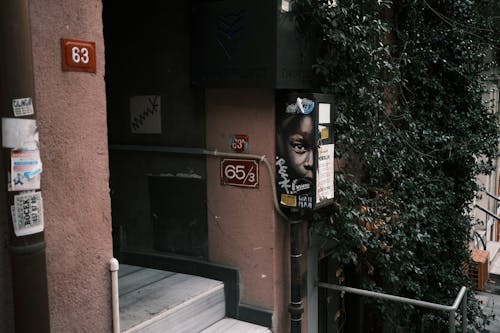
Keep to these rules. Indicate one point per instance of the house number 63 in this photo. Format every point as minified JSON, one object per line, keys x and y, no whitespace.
{"x":80,"y":55}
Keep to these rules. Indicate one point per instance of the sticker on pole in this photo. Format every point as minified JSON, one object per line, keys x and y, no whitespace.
{"x":18,"y":133}
{"x":239,"y":172}
{"x":26,"y":167}
{"x":22,"y":107}
{"x":27,"y":213}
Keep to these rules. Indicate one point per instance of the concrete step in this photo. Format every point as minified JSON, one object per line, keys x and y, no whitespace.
{"x":154,"y":301}
{"x":228,"y":325}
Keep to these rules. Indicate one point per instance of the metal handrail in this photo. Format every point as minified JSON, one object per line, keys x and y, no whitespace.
{"x":461,"y":298}
{"x":487,"y":212}
{"x":492,"y":196}
{"x":476,"y":234}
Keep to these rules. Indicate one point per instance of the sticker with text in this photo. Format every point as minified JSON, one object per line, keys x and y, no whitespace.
{"x":27,"y":213}
{"x":23,"y":107}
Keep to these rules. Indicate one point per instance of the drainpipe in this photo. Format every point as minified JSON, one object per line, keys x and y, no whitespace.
{"x":296,"y":308}
{"x":29,"y":275}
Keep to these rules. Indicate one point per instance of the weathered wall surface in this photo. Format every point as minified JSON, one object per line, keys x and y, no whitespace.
{"x":71,"y":110}
{"x":243,"y":228}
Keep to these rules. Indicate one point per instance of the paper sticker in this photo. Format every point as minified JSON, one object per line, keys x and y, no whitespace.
{"x":324,"y":113}
{"x":27,"y":213}
{"x":22,"y":107}
{"x":324,"y":175}
{"x":288,"y":200}
{"x":324,"y":132}
{"x":17,"y":133}
{"x":26,"y":168}
{"x":145,"y":114}
{"x":301,"y":106}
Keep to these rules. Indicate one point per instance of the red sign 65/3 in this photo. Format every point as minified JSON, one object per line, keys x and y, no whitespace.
{"x":239,"y":172}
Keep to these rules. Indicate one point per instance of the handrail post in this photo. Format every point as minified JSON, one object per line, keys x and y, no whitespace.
{"x":451,"y":322}
{"x":464,"y":313}
{"x":114,"y":266}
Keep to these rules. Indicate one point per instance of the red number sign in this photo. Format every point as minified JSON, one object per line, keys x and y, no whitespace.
{"x":78,"y":55}
{"x":239,"y":172}
{"x":239,"y":143}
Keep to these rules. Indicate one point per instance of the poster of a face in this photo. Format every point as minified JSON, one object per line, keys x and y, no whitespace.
{"x":305,"y":151}
{"x":295,"y":154}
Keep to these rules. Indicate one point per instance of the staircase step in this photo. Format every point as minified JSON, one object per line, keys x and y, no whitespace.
{"x":154,"y":301}
{"x":228,"y":325}
{"x":140,"y":278}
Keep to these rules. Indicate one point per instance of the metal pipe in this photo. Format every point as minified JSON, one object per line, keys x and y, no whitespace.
{"x":464,"y":313}
{"x":29,"y":272}
{"x":400,"y":299}
{"x":115,"y":294}
{"x":451,"y":322}
{"x":296,"y":307}
{"x":205,"y":152}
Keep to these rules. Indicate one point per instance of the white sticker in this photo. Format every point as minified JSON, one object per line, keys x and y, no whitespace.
{"x":27,"y":213}
{"x":285,"y":6}
{"x":325,"y":173}
{"x":25,"y":169}
{"x":145,"y":114}
{"x":22,"y":107}
{"x":17,"y":133}
{"x":324,"y":113}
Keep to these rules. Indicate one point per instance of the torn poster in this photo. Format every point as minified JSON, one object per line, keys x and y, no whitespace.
{"x":26,"y":167}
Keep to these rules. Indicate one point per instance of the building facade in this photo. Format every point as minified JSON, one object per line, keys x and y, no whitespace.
{"x":107,"y":192}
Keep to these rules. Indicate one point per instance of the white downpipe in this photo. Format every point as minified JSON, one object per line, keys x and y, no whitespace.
{"x":113,"y":268}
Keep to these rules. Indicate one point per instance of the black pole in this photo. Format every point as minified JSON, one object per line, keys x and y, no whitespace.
{"x":296,"y":307}
{"x":29,"y":276}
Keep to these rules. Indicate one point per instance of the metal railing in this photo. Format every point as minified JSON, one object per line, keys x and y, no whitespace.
{"x":451,"y":309}
{"x":492,"y":196}
{"x":487,"y":212}
{"x":476,"y":238}
{"x":489,"y":222}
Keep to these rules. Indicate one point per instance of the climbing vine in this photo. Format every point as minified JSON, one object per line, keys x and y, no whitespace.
{"x":412,"y":134}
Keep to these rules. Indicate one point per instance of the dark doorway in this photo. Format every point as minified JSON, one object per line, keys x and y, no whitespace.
{"x":156,"y":197}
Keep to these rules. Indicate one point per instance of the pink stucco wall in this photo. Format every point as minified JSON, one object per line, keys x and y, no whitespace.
{"x":244,"y":230}
{"x":71,"y":111}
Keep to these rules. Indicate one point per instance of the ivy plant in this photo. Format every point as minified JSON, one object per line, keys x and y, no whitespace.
{"x":412,"y":135}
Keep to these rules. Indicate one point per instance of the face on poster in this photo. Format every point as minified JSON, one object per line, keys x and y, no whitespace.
{"x":304,"y":154}
{"x":295,"y":153}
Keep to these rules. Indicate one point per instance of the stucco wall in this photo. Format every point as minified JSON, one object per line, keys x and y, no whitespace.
{"x":243,"y":228}
{"x":71,"y":110}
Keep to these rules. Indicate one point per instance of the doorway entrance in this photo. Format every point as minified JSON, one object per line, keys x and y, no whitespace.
{"x":158,"y":197}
